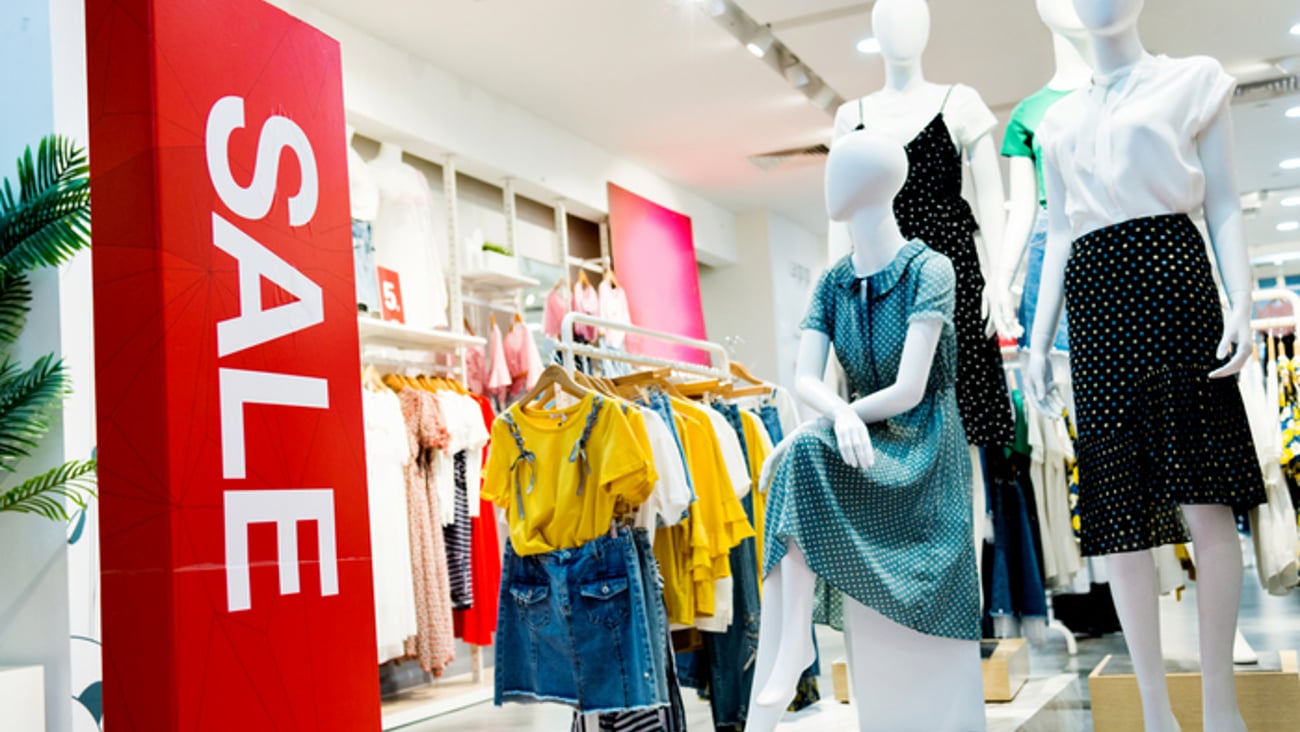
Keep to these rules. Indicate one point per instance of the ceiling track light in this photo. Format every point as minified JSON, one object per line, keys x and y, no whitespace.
{"x":761,"y":42}
{"x":713,"y":8}
{"x":796,"y":73}
{"x":824,"y":97}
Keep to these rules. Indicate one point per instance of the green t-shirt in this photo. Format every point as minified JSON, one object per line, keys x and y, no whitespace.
{"x":1020,"y":140}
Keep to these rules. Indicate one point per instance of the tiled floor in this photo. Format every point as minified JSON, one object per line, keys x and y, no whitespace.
{"x":1055,"y":700}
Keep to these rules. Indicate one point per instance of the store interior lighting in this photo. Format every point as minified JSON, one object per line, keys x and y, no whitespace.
{"x":797,"y":75}
{"x":713,"y":8}
{"x":1291,"y":201}
{"x":1293,"y":112}
{"x":1295,"y":29}
{"x":1290,"y":164}
{"x":762,"y":42}
{"x":869,"y":45}
{"x":1288,"y":226}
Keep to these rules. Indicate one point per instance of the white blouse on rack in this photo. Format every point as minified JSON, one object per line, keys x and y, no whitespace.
{"x":1126,"y":146}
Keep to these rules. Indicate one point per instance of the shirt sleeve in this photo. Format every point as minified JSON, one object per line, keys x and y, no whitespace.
{"x":969,"y":117}
{"x":1018,"y":140}
{"x":935,"y":291}
{"x":1209,"y":91}
{"x":821,"y":310}
{"x":619,"y":464}
{"x":498,"y":477}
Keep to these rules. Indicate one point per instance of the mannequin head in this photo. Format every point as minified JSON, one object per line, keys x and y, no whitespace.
{"x":1061,"y":17}
{"x":1108,"y":17}
{"x":903,"y":29}
{"x":864,"y":170}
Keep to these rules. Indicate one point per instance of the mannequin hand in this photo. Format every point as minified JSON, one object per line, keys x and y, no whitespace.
{"x":1236,"y":340}
{"x":1039,"y":384}
{"x":1005,"y":318}
{"x":853,"y":439}
{"x":988,"y":310}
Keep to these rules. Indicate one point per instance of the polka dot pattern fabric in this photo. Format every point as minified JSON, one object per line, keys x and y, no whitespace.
{"x":930,"y":208}
{"x":896,"y":536}
{"x":1154,"y":431}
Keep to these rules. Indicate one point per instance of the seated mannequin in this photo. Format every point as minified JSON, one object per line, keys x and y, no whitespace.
{"x":876,"y":498}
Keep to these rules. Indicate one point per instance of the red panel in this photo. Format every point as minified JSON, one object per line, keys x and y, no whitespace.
{"x":654,"y":256}
{"x":176,"y":656}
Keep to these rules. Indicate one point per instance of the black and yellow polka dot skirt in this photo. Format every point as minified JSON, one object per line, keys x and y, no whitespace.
{"x":1154,"y":431}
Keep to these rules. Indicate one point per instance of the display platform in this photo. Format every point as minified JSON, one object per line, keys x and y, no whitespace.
{"x":1005,"y":662}
{"x":1267,"y":692}
{"x":440,"y":698}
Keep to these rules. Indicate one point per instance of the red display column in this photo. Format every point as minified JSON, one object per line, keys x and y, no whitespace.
{"x":237,"y":591}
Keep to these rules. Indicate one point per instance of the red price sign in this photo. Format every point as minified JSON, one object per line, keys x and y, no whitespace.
{"x":390,"y":295}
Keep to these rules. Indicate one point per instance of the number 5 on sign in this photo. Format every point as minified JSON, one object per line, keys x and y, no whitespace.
{"x":390,"y":292}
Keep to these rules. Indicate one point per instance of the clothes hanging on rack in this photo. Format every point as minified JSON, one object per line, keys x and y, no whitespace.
{"x":387,"y":458}
{"x":586,"y":301}
{"x":557,"y":306}
{"x":476,"y":624}
{"x":522,"y":358}
{"x":498,"y":375}
{"x":1273,"y":523}
{"x":613,"y":306}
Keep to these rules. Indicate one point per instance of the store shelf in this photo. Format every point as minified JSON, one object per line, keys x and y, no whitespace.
{"x":379,"y":332}
{"x":496,"y":281}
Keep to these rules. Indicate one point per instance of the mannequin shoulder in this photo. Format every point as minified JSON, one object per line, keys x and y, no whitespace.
{"x":1190,"y":74}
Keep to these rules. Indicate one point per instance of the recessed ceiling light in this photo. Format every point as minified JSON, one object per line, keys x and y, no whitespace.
{"x":869,"y":45}
{"x":1290,"y":201}
{"x":713,"y":8}
{"x":797,"y":75}
{"x":1288,"y":226}
{"x":1295,"y":29}
{"x":1293,"y":112}
{"x":1290,"y":164}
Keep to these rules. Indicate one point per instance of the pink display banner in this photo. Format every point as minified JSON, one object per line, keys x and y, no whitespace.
{"x":653,"y":249}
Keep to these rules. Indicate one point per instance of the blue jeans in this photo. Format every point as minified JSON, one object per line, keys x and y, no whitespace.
{"x":1033,"y":276}
{"x":658,"y":401}
{"x":363,"y":263}
{"x":575,"y":628}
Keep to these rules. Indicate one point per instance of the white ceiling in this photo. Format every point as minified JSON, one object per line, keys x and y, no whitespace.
{"x":659,"y":83}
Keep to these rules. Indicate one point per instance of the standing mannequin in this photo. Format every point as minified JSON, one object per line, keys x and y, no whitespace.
{"x":404,"y":237}
{"x":1160,"y":427}
{"x":1027,"y":215}
{"x":940,"y":124}
{"x":877,"y":500}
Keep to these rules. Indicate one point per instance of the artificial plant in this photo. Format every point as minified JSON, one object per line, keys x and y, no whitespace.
{"x":43,"y":224}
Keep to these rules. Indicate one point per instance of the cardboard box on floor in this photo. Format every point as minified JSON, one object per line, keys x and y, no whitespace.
{"x":1268,"y":694}
{"x":1006,"y":668}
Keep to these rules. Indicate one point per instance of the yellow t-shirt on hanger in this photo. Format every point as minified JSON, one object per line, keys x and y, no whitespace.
{"x":554,"y":514}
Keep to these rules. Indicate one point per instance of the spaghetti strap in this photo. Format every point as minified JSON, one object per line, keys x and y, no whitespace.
{"x":945,"y":99}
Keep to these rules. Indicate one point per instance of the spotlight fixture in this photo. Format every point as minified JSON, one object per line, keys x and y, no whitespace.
{"x":869,"y":45}
{"x":797,"y":75}
{"x":762,"y":42}
{"x":1288,"y":226}
{"x":1290,"y":164}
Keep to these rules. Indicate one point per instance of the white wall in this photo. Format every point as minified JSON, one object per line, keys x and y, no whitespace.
{"x":764,"y":296}
{"x":394,"y":95}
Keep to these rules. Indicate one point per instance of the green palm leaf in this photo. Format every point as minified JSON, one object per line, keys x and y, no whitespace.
{"x":26,"y":400}
{"x":15,"y":303}
{"x":48,"y":220}
{"x":43,"y":494}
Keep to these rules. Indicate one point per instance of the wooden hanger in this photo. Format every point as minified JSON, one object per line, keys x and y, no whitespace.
{"x":555,"y":375}
{"x":610,"y":278}
{"x":519,"y":317}
{"x":740,"y":371}
{"x":582,"y":276}
{"x":468,"y":329}
{"x":697,"y":389}
{"x":734,"y":392}
{"x":649,"y":376}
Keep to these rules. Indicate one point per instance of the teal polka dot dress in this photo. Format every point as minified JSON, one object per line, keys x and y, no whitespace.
{"x":896,"y":537}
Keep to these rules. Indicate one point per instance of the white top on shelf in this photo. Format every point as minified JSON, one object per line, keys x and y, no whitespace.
{"x":381,"y":332}
{"x":496,"y":281}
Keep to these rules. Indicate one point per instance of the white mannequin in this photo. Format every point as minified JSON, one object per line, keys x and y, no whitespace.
{"x":902,"y":109}
{"x":1072,"y":49}
{"x":1117,"y":44}
{"x":896,"y":671}
{"x":404,"y":237}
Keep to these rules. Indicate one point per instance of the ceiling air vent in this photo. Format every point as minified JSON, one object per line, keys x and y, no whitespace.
{"x":796,"y":157}
{"x":1267,"y":88}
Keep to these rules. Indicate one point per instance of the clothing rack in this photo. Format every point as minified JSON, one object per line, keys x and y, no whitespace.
{"x":1277,"y":293}
{"x":721,"y":363}
{"x":499,"y":307}
{"x":388,"y":356}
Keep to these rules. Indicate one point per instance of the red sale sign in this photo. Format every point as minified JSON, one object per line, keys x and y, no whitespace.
{"x":237,"y":591}
{"x":390,"y":295}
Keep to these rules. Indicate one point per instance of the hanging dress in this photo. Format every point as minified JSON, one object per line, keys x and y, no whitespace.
{"x":930,"y":208}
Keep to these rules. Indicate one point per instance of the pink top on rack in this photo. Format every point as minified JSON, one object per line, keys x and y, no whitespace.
{"x":613,"y":306}
{"x":557,"y":306}
{"x":587,"y":302}
{"x":498,"y":377}
{"x":522,"y":357}
{"x":475,"y":369}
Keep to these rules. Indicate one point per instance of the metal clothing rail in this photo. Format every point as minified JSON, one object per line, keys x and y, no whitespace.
{"x":508,"y":309}
{"x":1277,"y":293}
{"x":425,"y":360}
{"x":721,"y":364}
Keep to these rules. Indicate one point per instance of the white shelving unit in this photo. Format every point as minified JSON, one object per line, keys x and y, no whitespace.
{"x":496,"y":282}
{"x":373,"y":331}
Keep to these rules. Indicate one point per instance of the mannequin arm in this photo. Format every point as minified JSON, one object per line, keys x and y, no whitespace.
{"x":986,"y":176}
{"x":1020,"y":223}
{"x":1051,"y":292}
{"x":1228,"y":237}
{"x":905,"y":393}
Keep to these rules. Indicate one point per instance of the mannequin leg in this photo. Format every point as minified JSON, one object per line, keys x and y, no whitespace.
{"x":1133,"y":585}
{"x":761,"y":718}
{"x":1218,"y":578}
{"x":794,"y":645}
